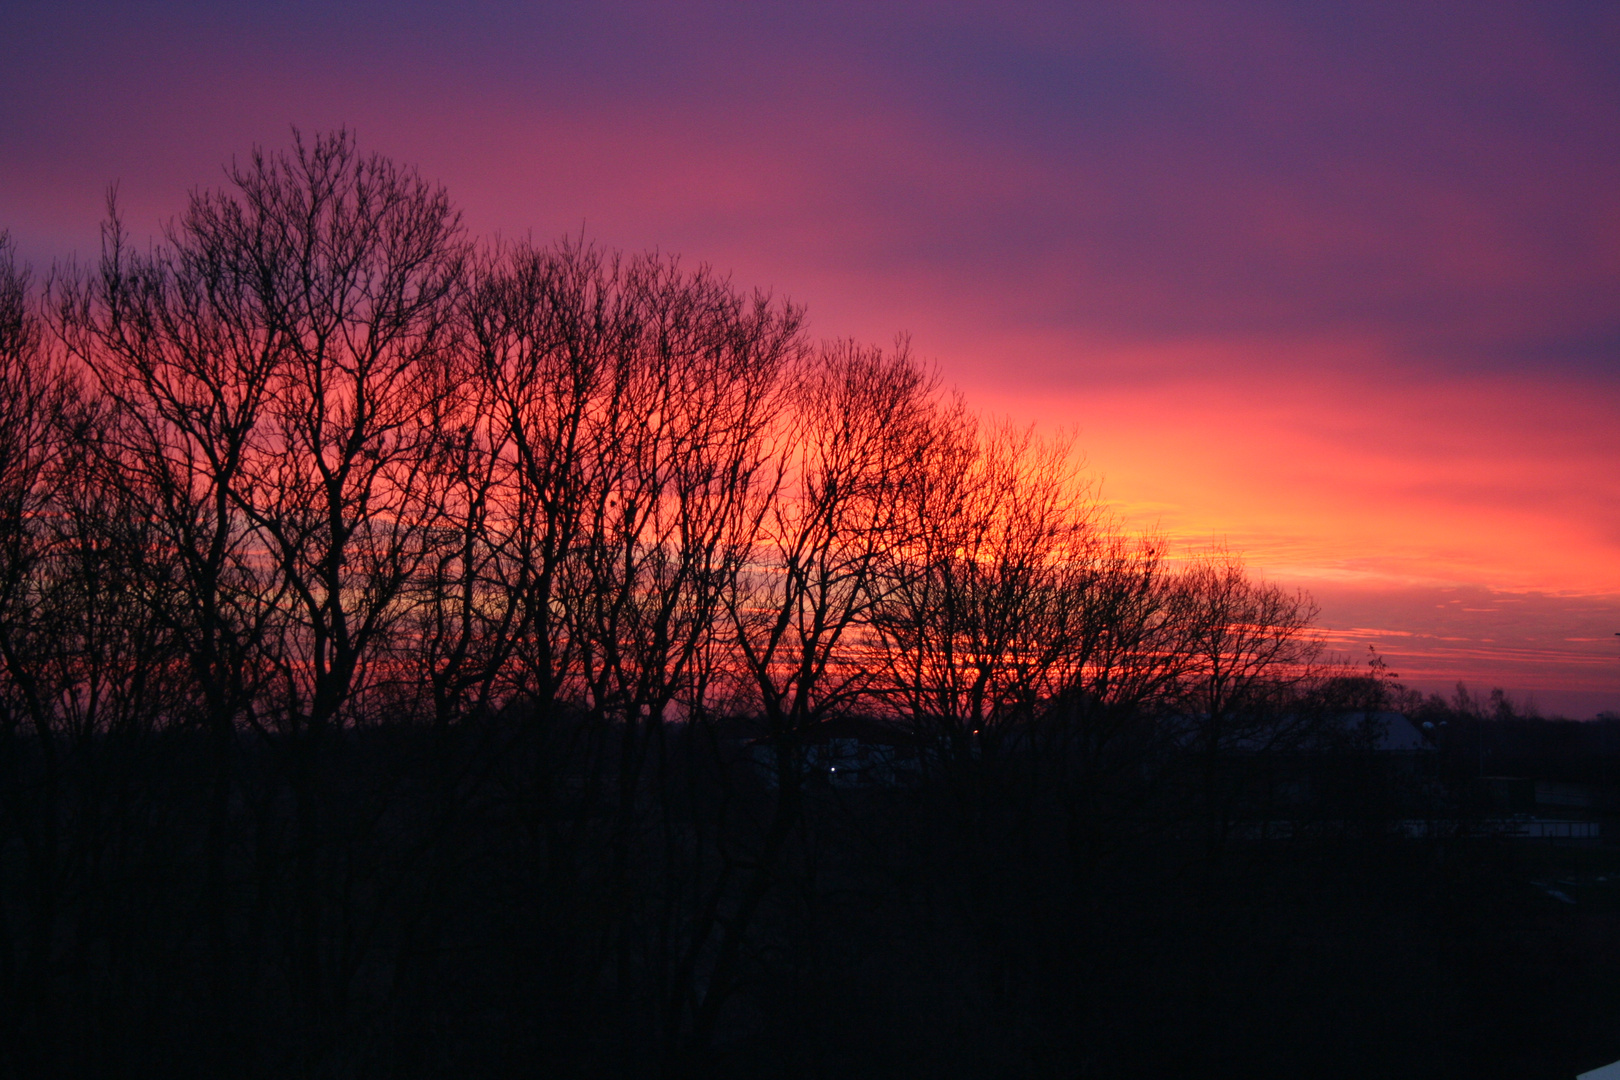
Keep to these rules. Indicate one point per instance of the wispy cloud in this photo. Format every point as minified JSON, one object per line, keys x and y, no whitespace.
{"x":1334,"y":284}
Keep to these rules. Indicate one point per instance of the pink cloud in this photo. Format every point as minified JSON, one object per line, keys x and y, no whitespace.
{"x":1336,"y":287}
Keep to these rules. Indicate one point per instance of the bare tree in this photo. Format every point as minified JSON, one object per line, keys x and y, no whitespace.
{"x":30,"y":440}
{"x":85,"y":671}
{"x":355,"y":265}
{"x":555,"y":338}
{"x":1249,"y":650}
{"x":859,"y":437}
{"x":32,"y":396}
{"x":277,"y":372}
{"x":979,"y":605}
{"x":632,"y":404}
{"x":184,"y":358}
{"x":674,"y":511}
{"x":853,"y":443}
{"x":1246,"y":644}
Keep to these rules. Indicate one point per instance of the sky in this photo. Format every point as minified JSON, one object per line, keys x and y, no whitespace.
{"x":1336,"y":285}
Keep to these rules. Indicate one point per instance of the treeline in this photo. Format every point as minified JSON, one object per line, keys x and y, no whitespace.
{"x":1490,"y":734}
{"x":394,"y":627}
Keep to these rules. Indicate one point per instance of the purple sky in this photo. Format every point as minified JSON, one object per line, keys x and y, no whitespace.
{"x":1336,"y":283}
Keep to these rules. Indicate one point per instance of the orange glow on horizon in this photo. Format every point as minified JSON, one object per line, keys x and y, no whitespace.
{"x":1448,"y":523}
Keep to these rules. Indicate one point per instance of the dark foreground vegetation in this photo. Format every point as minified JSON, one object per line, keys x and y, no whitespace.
{"x":420,"y":658}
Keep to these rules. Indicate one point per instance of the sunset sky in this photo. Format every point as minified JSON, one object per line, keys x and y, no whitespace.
{"x":1335,"y":284}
